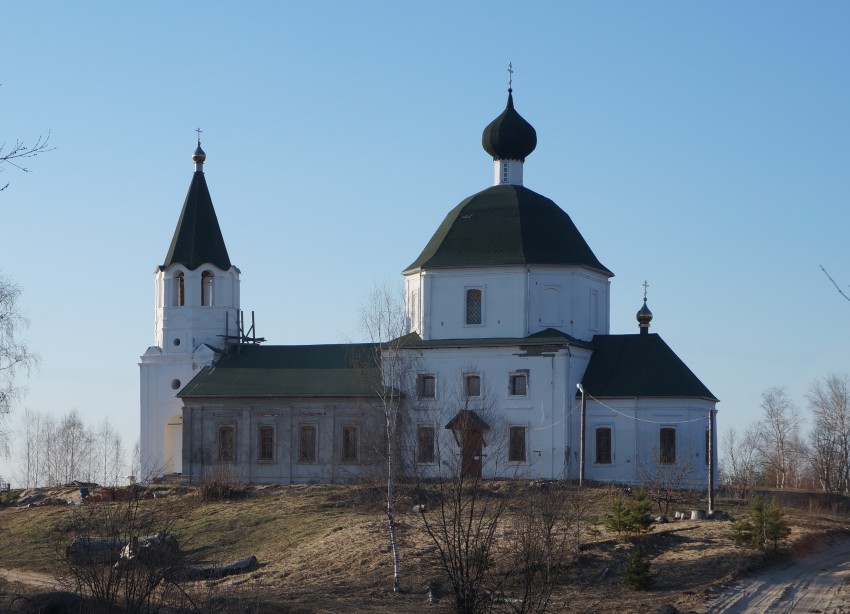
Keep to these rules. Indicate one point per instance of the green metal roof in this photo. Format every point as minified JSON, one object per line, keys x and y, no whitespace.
{"x":198,"y":239}
{"x":549,"y":336}
{"x":639,"y":366}
{"x":337,"y":370}
{"x":504,"y":225}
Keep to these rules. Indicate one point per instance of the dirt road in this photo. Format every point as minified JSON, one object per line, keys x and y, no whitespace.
{"x":819,"y":582}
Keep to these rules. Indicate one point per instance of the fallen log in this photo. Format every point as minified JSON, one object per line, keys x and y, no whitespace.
{"x":193,"y":574}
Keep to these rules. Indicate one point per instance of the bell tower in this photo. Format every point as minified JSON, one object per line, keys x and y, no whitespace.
{"x":196,"y":307}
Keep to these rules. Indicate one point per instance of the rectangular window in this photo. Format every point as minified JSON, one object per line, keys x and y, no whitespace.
{"x":473,"y":385}
{"x":603,"y":446}
{"x":473,"y":307}
{"x":426,"y":387}
{"x":307,"y":443}
{"x":425,"y":444}
{"x":519,"y":384}
{"x":265,"y":446}
{"x":226,"y":444}
{"x":516,"y":444}
{"x":668,"y":446}
{"x":594,"y":310}
{"x":349,"y":444}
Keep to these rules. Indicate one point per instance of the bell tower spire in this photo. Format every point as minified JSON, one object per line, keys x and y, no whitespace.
{"x":195,"y":318}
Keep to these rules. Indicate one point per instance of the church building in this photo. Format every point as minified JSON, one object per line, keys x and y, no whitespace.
{"x":510,"y":369}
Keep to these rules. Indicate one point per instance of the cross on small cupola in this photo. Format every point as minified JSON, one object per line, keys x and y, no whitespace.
{"x":644,"y":316}
{"x":199,"y":156}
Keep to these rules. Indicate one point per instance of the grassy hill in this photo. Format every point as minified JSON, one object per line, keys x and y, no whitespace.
{"x":325,"y":548}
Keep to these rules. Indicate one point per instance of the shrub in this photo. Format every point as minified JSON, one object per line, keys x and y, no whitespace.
{"x":764,"y":526}
{"x":638,"y":574}
{"x":632,"y":517}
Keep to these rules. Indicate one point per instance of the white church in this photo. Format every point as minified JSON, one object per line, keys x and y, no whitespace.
{"x":513,"y":369}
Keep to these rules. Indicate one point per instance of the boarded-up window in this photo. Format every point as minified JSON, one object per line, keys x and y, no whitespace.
{"x":473,"y":307}
{"x":519,"y":384}
{"x":226,"y":444}
{"x":594,"y":310}
{"x":266,"y":443}
{"x":307,"y":443}
{"x":668,"y":446}
{"x":425,"y":444}
{"x":550,"y":310}
{"x":426,"y":386}
{"x":516,"y":444}
{"x":603,"y":446}
{"x":473,"y":385}
{"x":349,"y":444}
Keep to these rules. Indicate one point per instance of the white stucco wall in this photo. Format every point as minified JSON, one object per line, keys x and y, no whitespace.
{"x":516,"y":301}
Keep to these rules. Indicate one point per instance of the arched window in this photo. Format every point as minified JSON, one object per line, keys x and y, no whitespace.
{"x":473,"y":306}
{"x":207,"y":288}
{"x":179,"y":290}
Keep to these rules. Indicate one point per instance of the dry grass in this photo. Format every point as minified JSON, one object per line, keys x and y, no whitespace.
{"x":325,"y":548}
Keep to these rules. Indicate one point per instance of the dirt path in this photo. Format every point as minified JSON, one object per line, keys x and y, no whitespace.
{"x":819,"y":582}
{"x":41,"y":581}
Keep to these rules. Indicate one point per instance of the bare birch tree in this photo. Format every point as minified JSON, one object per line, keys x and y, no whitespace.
{"x":778,"y":436}
{"x":741,"y":462}
{"x":15,"y":154}
{"x":829,"y":439}
{"x":14,"y":355}
{"x":385,"y":323}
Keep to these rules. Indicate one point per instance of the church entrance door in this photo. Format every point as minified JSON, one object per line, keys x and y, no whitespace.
{"x":471,"y":449}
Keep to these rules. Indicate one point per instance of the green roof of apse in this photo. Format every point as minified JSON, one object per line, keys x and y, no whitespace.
{"x":198,"y":239}
{"x":504,"y":225}
{"x":639,"y":366}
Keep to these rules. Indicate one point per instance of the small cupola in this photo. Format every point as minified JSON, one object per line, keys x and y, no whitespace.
{"x":509,"y":139}
{"x":644,"y":315}
{"x":199,"y":157}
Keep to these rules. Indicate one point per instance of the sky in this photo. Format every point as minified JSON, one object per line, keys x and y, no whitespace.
{"x":702,"y":147}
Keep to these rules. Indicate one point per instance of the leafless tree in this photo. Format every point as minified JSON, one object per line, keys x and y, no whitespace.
{"x":14,"y":155}
{"x":459,"y":511}
{"x":837,"y":287}
{"x":14,"y":354}
{"x":741,"y":462}
{"x":384,"y":321}
{"x":778,"y":440}
{"x":829,"y":439}
{"x":665,"y":481}
{"x":124,"y":554}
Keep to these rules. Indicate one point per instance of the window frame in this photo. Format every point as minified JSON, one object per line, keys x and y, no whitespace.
{"x":666,"y":451}
{"x":345,"y":445}
{"x":223,"y":457}
{"x":512,"y":456}
{"x":469,"y":291}
{"x":431,"y":456}
{"x":207,"y":289}
{"x":261,"y":429}
{"x":179,"y":281}
{"x":596,"y":449}
{"x":420,"y":386}
{"x":467,"y":378}
{"x":302,"y":428}
{"x":513,"y":377}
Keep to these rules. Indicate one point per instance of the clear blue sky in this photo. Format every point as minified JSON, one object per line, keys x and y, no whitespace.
{"x":704,"y":147}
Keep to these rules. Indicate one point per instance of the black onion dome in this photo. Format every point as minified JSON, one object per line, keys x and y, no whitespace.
{"x":505,"y":225}
{"x":509,"y":136}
